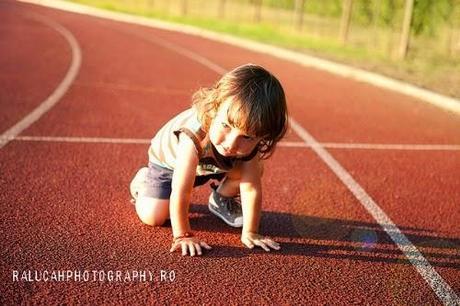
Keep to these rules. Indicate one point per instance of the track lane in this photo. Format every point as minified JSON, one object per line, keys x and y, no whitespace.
{"x":405,"y":275}
{"x":427,"y":201}
{"x":107,"y":74}
{"x":73,"y":212}
{"x":27,"y":78}
{"x":339,"y":109}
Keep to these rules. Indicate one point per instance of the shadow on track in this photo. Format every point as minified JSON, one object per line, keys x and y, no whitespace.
{"x":333,"y":238}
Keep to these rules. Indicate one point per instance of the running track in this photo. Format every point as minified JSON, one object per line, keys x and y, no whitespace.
{"x":64,"y":181}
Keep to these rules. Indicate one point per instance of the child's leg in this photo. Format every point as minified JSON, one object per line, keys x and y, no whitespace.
{"x":230,"y":186}
{"x":151,"y":194}
{"x":152,"y":211}
{"x":224,"y":202}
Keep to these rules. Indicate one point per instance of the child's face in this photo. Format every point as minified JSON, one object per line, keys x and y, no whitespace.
{"x":228,"y":140}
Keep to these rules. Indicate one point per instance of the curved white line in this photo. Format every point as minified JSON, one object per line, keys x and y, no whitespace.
{"x":58,"y":93}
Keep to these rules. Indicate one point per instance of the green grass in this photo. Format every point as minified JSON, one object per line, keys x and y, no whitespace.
{"x":426,"y":65}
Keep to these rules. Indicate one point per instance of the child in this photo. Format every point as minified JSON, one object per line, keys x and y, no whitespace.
{"x":230,"y":128}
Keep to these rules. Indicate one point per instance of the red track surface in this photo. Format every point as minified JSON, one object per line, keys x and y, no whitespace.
{"x":65,"y":206}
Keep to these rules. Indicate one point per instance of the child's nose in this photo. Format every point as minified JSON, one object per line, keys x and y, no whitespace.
{"x":231,"y":142}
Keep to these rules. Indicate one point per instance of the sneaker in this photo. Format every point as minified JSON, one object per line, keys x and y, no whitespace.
{"x":227,"y":208}
{"x":136,"y":183}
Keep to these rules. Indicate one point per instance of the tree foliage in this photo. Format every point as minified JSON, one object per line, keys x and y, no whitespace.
{"x":428,"y":15}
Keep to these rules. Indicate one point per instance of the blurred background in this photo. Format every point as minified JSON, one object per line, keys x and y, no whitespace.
{"x":417,"y":41}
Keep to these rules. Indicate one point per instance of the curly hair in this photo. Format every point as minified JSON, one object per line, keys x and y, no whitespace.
{"x":258,"y":104}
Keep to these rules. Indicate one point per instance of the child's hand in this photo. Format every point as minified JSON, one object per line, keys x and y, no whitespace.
{"x":192,"y":244}
{"x":251,"y":239}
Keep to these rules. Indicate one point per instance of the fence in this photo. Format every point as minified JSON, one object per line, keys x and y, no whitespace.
{"x":383,"y":26}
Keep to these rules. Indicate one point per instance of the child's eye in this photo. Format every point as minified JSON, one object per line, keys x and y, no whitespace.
{"x":248,"y":137}
{"x":225,"y":125}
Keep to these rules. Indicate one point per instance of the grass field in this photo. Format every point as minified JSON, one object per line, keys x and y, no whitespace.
{"x":433,"y":62}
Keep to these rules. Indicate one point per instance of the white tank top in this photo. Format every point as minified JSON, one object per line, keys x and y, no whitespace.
{"x":163,"y":148}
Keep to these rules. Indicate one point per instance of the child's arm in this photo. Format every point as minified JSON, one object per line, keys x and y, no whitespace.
{"x":251,"y":200}
{"x":182,"y":185}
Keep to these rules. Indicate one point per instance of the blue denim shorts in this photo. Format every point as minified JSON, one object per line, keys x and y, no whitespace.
{"x":157,"y":183}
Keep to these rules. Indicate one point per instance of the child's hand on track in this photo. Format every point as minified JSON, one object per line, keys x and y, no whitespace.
{"x":191,"y":245}
{"x":252,"y":239}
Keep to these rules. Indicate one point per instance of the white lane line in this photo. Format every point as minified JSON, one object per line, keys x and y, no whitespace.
{"x":378,"y":146}
{"x":58,"y":92}
{"x":444,"y":292}
{"x":374,"y":146}
{"x":434,"y":280}
{"x":287,"y":144}
{"x":83,"y":139}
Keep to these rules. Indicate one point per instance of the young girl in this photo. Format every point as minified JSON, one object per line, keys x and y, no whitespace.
{"x":230,"y":128}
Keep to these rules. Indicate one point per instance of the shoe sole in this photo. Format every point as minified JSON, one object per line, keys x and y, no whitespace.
{"x":217,"y":214}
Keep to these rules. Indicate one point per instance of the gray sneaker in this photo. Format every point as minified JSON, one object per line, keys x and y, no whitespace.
{"x":226,"y":208}
{"x":136,"y":183}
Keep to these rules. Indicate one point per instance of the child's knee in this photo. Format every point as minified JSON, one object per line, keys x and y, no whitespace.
{"x":152,"y":211}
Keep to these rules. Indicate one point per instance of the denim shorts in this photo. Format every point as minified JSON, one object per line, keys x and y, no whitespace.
{"x":157,"y":183}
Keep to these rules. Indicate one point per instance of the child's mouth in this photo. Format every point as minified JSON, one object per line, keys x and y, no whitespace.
{"x":227,"y":152}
